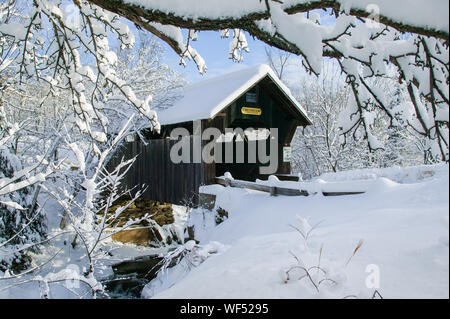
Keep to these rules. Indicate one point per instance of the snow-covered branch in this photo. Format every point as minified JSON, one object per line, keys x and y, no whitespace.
{"x":364,"y":36}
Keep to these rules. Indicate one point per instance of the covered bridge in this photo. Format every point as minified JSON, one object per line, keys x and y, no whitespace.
{"x":252,"y":98}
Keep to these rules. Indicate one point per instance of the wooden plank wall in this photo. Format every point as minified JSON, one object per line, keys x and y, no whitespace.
{"x":166,"y":181}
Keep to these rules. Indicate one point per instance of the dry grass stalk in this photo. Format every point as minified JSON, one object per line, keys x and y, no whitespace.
{"x":320,"y":257}
{"x":355,"y":251}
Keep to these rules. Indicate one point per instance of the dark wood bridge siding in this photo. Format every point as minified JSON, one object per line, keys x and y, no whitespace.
{"x":165,"y":181}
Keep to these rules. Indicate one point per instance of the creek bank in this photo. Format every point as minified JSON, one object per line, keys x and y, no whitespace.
{"x":130,"y":276}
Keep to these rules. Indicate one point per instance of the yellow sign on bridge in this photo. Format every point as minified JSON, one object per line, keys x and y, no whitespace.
{"x":251,"y":110}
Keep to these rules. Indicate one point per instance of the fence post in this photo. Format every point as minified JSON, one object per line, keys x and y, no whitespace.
{"x":273,"y":191}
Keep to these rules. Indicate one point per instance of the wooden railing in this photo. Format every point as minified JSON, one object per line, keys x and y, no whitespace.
{"x":275,"y":190}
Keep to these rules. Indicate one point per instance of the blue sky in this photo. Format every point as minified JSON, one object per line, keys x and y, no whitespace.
{"x":214,"y":50}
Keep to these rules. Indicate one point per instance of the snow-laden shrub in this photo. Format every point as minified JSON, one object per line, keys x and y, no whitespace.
{"x":18,"y":227}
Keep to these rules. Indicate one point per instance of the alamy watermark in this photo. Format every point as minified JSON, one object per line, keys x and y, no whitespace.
{"x":373,"y":279}
{"x":72,"y":16}
{"x":373,"y":20}
{"x":228,"y":147}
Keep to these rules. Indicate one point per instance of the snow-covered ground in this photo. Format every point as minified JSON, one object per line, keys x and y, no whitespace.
{"x":402,"y":222}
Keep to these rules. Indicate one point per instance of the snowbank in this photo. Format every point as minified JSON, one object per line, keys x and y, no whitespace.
{"x":402,"y":222}
{"x":360,"y":180}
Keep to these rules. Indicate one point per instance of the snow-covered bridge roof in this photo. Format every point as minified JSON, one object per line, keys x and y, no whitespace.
{"x":204,"y":100}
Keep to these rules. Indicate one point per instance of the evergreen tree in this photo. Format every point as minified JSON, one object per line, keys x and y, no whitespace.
{"x":18,"y":227}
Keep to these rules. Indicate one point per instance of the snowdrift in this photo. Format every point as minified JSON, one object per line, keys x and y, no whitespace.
{"x":394,"y":240}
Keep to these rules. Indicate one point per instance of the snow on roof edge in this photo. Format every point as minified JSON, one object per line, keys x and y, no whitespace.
{"x":263,"y":70}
